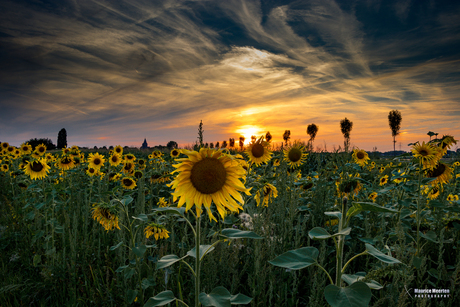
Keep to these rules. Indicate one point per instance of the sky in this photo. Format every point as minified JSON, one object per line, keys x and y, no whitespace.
{"x":116,"y":72}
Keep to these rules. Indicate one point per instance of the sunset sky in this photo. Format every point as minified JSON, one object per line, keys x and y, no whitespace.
{"x":116,"y":72}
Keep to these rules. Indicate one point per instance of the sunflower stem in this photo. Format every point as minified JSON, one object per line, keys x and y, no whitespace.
{"x":197,"y":261}
{"x":419,"y":207}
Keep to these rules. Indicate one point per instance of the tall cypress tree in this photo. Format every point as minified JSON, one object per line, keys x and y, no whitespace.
{"x":62,"y":139}
{"x":394,"y":119}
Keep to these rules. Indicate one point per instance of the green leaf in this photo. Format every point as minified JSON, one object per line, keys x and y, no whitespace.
{"x":430,"y":236}
{"x":356,"y":295}
{"x":112,"y":248}
{"x":203,"y":251}
{"x":161,"y":299}
{"x":166,"y":261}
{"x":366,"y":206}
{"x":379,"y":255}
{"x":148,"y":282}
{"x":139,"y":250}
{"x":126,"y":200}
{"x":131,"y":296}
{"x":219,"y":297}
{"x":240,"y":299}
{"x":59,"y":229}
{"x":336,"y":214}
{"x":351,"y":279}
{"x":142,"y":217}
{"x":231,"y":233}
{"x":230,"y":220}
{"x":297,"y":259}
{"x":37,"y":260}
{"x":319,"y":233}
{"x":417,"y":262}
{"x":129,"y":272}
{"x":174,"y":210}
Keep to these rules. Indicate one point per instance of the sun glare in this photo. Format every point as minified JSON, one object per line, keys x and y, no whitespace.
{"x":248,"y":131}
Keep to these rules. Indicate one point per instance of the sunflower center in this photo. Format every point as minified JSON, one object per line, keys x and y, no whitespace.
{"x":97,"y":161}
{"x":295,"y":154}
{"x":114,"y":159}
{"x":360,"y":155}
{"x":208,"y":175}
{"x":106,"y":214}
{"x":66,"y":160}
{"x":438,"y":171}
{"x":267,"y":191}
{"x":127,"y":182}
{"x":257,"y":150}
{"x":423,"y":152}
{"x":41,"y":149}
{"x":36,"y":166}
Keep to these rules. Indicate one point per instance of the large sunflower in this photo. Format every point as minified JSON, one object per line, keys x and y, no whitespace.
{"x":26,"y":149}
{"x":295,"y":155}
{"x":106,"y":215}
{"x":40,"y":149}
{"x":259,"y":152}
{"x":128,"y":183}
{"x":442,"y":172}
{"x":96,"y":160}
{"x":427,"y":154}
{"x":37,"y":169}
{"x":65,"y":163}
{"x":114,"y":159}
{"x":360,"y":156}
{"x":208,"y":176}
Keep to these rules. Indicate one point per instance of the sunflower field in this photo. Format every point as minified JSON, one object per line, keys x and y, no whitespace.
{"x":252,"y":226}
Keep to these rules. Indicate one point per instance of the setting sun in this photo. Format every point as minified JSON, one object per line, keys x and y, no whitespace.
{"x":248,"y":131}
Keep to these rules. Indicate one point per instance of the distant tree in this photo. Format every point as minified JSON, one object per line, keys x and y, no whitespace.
{"x":224,"y":144}
{"x":346,"y":125}
{"x":95,"y":147}
{"x":241,"y":142}
{"x":312,"y":130}
{"x":231,"y":142}
{"x":110,"y":147}
{"x":200,"y":133}
{"x":62,"y":139}
{"x":286,"y":136}
{"x":268,"y":136}
{"x":47,"y":142}
{"x":172,"y":145}
{"x":394,"y":119}
{"x":217,"y":144}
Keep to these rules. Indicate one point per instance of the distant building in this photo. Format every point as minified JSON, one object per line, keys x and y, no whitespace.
{"x":145,"y":145}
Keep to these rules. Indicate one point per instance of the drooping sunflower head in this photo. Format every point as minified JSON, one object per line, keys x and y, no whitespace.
{"x":65,"y":163}
{"x":269,"y":192}
{"x":349,"y":185}
{"x":434,"y":192}
{"x":427,"y":154}
{"x":162,"y":203}
{"x":360,"y":156}
{"x":295,"y":155}
{"x":175,"y":153}
{"x":26,"y":149}
{"x":156,"y":230}
{"x":106,"y":215}
{"x":259,"y":152}
{"x":209,"y":176}
{"x":96,"y":160}
{"x":128,"y":183}
{"x":40,"y":149}
{"x":442,"y":174}
{"x":114,"y":159}
{"x":37,"y":169}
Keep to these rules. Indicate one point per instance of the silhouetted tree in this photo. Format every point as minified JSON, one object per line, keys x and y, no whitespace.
{"x":346,"y":125}
{"x":47,"y":142}
{"x":242,"y":142}
{"x":200,"y":133}
{"x":312,"y":130}
{"x":217,"y":144}
{"x":286,"y":136}
{"x":62,"y":139}
{"x":231,"y":142}
{"x":268,"y":136}
{"x":172,"y":145}
{"x":224,"y":144}
{"x":394,"y":119}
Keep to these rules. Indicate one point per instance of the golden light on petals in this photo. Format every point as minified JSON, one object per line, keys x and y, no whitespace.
{"x":295,"y":155}
{"x":360,"y":157}
{"x":259,"y":152}
{"x":207,"y":177}
{"x":37,"y":169}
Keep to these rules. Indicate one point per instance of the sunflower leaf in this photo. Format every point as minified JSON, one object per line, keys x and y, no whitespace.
{"x":204,"y":249}
{"x":297,"y":259}
{"x":350,"y":279}
{"x":366,"y":206}
{"x":161,"y":299}
{"x":142,"y":217}
{"x":139,"y":250}
{"x":319,"y":233}
{"x":380,"y":256}
{"x":167,"y":260}
{"x":356,"y":295}
{"x":219,"y":297}
{"x":180,"y":211}
{"x":231,"y":233}
{"x":112,"y":248}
